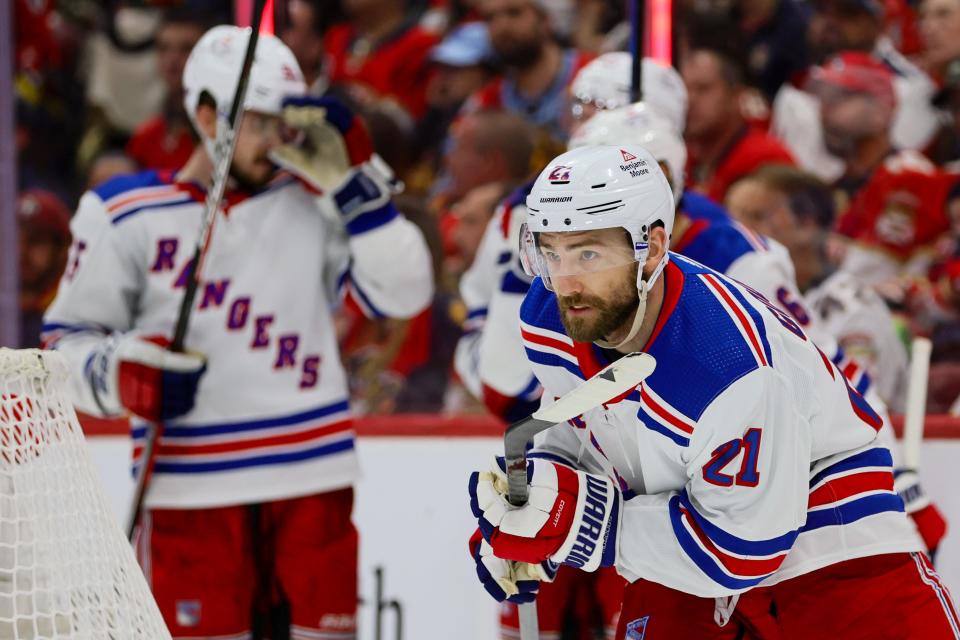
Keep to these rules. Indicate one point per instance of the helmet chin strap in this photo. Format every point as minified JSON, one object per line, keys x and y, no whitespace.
{"x":643,"y":288}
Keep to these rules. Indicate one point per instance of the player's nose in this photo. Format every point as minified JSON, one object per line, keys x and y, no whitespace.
{"x":567,"y":285}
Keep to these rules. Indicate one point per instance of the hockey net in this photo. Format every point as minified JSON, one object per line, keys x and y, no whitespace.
{"x":66,"y":569}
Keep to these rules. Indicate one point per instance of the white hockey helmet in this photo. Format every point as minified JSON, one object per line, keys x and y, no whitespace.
{"x":637,"y":124}
{"x":599,"y":187}
{"x":605,"y":83}
{"x":214,"y":67}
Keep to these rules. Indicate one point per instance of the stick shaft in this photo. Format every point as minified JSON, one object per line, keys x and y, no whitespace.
{"x":223,"y":151}
{"x":224,"y":147}
{"x":916,"y":401}
{"x":621,"y":376}
{"x":637,"y":9}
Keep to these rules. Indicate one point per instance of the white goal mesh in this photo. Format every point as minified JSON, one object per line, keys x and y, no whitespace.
{"x":66,"y":569}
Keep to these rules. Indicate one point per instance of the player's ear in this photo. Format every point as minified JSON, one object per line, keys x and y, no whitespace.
{"x":207,"y":120}
{"x":657,"y":248}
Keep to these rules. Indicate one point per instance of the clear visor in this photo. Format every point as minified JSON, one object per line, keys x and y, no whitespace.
{"x":561,"y":255}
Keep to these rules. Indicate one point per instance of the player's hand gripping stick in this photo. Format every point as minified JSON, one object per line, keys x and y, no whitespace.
{"x":616,"y":379}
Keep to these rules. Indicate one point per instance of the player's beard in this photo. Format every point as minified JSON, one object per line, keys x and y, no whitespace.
{"x":519,"y":54}
{"x":247,"y":182}
{"x":611,"y":314}
{"x":840,"y":144}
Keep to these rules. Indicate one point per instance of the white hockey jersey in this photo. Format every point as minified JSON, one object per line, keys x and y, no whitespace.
{"x":490,"y":357}
{"x":745,"y":458}
{"x":271,"y":419}
{"x":863,"y":325}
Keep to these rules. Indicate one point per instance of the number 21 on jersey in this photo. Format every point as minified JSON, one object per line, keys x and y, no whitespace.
{"x":747,"y":449}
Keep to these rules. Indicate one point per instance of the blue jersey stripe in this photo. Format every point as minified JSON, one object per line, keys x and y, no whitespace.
{"x":550,"y":360}
{"x":853,"y":511}
{"x":876,"y":457}
{"x":704,"y":562}
{"x":152,"y":207}
{"x":732,"y":543}
{"x":258,"y":461}
{"x":754,"y":315}
{"x":252,"y":425}
{"x":372,"y":219}
{"x":365,"y":299}
{"x":655,"y":425}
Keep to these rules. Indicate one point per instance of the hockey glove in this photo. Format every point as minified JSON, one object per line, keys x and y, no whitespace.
{"x":516,"y":582}
{"x":928,"y":520}
{"x":571,"y":517}
{"x":336,"y":154}
{"x":140,"y":375}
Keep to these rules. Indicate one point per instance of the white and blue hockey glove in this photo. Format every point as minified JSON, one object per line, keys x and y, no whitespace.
{"x":335,"y":154}
{"x":140,"y":375}
{"x":571,"y":517}
{"x":505,"y":580}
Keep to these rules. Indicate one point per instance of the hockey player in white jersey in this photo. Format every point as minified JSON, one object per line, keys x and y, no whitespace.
{"x":797,"y":209}
{"x":745,"y":470}
{"x":247,"y":526}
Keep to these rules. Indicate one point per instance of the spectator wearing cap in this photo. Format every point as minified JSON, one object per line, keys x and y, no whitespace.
{"x":940,"y":27}
{"x":851,"y":25}
{"x":537,"y":70}
{"x":380,"y":54}
{"x":462,"y":64}
{"x":43,"y":225}
{"x":721,"y":146}
{"x":891,"y":216}
{"x":166,"y":141}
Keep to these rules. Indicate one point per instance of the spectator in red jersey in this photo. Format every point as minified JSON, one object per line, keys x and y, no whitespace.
{"x":721,"y":146}
{"x":381,"y":54}
{"x":166,"y":141}
{"x":940,"y":27}
{"x":537,"y":70}
{"x":43,"y":224}
{"x":488,"y":146}
{"x":893,"y":214}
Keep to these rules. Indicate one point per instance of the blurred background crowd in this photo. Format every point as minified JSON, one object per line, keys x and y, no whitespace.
{"x":469,"y":99}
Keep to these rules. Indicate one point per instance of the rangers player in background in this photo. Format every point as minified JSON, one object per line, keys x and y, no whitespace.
{"x":247,"y":515}
{"x":796,"y":208}
{"x":741,"y":486}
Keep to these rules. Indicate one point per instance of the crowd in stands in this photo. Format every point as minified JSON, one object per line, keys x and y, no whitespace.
{"x":832,"y":126}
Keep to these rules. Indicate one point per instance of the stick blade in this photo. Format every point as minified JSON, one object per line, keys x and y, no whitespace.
{"x":616,"y":379}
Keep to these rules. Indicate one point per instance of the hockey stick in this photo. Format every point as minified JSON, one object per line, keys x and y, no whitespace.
{"x":916,"y":402}
{"x":637,"y":10}
{"x":614,"y":380}
{"x":224,"y":147}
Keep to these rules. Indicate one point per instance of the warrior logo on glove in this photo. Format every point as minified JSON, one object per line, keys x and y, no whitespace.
{"x":572,"y":517}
